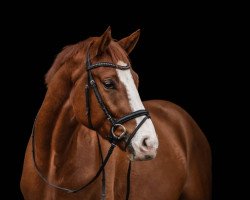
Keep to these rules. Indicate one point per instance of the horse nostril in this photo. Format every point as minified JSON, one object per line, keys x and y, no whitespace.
{"x":148,"y":157}
{"x":144,"y":142}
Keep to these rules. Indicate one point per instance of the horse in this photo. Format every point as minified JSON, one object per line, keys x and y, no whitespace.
{"x":91,"y":106}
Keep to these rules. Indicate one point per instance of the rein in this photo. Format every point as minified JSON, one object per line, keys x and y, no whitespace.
{"x":113,"y":138}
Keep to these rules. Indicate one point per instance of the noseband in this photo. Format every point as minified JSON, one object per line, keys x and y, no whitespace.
{"x":113,"y":138}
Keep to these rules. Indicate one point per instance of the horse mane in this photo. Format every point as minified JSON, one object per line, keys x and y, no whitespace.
{"x":66,"y":54}
{"x":114,"y":50}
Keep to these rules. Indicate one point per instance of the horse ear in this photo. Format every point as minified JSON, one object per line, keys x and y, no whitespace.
{"x":128,"y":43}
{"x":104,"y":41}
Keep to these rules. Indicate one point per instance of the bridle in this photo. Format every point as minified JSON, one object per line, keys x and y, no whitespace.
{"x":113,"y":138}
{"x":115,"y":123}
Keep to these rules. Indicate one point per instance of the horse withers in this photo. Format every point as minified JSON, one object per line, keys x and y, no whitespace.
{"x":91,"y":106}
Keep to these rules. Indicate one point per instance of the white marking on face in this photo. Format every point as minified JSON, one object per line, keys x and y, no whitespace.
{"x":147,"y":130}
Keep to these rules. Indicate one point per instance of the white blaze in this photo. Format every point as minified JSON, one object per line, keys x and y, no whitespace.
{"x":147,"y":130}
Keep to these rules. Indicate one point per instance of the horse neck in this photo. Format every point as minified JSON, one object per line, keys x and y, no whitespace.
{"x":58,"y":133}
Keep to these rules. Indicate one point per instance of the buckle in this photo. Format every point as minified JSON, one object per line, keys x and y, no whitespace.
{"x":114,"y":127}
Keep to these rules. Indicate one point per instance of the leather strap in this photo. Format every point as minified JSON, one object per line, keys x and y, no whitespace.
{"x":107,"y":64}
{"x":128,"y":180}
{"x":132,"y":115}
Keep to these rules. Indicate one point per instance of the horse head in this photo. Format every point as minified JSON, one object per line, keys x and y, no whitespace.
{"x":104,"y":89}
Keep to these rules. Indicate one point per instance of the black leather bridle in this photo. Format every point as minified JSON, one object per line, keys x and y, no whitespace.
{"x":113,"y":138}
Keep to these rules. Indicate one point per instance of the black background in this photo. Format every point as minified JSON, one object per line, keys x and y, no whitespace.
{"x":187,"y":54}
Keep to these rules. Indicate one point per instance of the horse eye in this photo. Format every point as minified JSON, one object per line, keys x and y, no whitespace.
{"x":108,"y":84}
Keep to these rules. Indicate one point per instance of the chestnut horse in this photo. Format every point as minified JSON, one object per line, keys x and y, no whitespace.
{"x":92,"y":87}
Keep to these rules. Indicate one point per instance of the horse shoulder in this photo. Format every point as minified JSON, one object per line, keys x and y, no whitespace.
{"x":189,"y":144}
